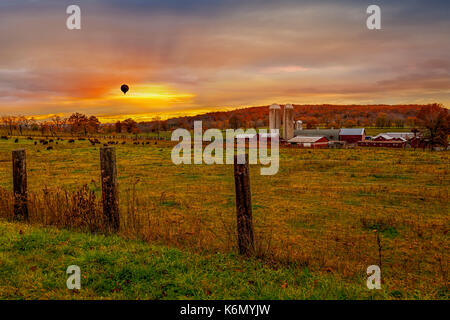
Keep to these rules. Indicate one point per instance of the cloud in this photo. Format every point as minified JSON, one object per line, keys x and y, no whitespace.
{"x":220,"y":53}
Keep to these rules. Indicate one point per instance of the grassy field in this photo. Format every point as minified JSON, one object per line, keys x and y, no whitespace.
{"x":323,"y":214}
{"x":33,"y":263}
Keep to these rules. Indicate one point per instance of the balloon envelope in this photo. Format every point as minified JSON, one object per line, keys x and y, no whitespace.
{"x":124,"y":88}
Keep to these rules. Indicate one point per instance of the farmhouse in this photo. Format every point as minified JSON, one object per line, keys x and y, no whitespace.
{"x":352,"y":135}
{"x":310,"y":142}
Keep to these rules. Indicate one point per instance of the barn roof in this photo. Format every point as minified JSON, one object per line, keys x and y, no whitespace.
{"x":383,"y":135}
{"x":245,"y":136}
{"x":405,"y":135}
{"x":330,"y":134}
{"x":305,"y":139}
{"x":254,"y":135}
{"x":269,"y":135}
{"x":388,"y":136}
{"x":351,"y":132}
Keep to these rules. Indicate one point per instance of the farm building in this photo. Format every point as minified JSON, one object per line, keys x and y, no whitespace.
{"x":250,"y":137}
{"x":330,"y":134}
{"x":256,"y":138}
{"x":352,"y":135}
{"x":386,"y":137}
{"x":383,"y":143}
{"x":417,"y":142}
{"x":309,"y":142}
{"x":269,"y":135}
{"x":404,"y":135}
{"x":340,"y":136}
{"x":385,"y":140}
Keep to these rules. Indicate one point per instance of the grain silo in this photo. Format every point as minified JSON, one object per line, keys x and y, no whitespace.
{"x":274,"y":117}
{"x":288,"y":122}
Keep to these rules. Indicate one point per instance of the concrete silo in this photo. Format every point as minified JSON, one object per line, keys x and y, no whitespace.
{"x":288,"y":122}
{"x":274,"y":117}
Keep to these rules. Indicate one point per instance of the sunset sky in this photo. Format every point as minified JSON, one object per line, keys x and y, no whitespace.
{"x":185,"y":57}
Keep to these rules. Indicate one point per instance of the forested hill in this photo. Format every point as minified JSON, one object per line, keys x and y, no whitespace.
{"x":312,"y":115}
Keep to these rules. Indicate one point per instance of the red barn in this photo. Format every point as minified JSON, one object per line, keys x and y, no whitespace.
{"x":309,"y":142}
{"x":352,"y":135}
{"x":387,"y":137}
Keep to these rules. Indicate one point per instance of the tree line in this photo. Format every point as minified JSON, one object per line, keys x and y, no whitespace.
{"x":432,"y":120}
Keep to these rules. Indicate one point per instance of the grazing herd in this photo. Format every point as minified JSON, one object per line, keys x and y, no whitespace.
{"x":46,"y":142}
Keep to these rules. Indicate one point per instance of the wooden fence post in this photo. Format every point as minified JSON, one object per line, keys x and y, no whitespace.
{"x":20,"y":184}
{"x":243,"y":207}
{"x":109,"y":188}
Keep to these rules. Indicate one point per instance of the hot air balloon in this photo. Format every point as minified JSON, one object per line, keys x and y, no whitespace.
{"x":124,"y":88}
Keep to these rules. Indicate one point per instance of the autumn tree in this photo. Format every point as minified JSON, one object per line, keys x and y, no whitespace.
{"x":58,"y":123}
{"x":312,"y":123}
{"x":118,"y":126}
{"x":78,"y":123}
{"x":156,"y":125}
{"x":130,"y":125}
{"x":434,"y":121}
{"x":381,"y":120}
{"x":9,"y":122}
{"x":93,"y":124}
{"x":81,"y":123}
{"x":234,"y":122}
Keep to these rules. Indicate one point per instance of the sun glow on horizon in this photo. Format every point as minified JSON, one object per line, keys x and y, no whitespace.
{"x":151,"y":92}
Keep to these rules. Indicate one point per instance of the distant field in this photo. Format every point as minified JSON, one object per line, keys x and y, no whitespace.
{"x":321,"y":212}
{"x":168,"y":134}
{"x":375,"y":131}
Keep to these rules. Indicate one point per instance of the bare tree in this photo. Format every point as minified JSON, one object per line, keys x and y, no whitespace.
{"x":156,"y":125}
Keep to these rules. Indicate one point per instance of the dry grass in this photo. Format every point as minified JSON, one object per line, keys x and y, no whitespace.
{"x":334,"y":211}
